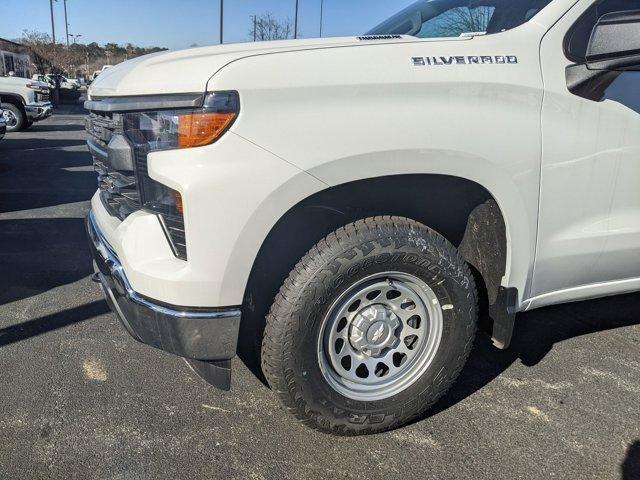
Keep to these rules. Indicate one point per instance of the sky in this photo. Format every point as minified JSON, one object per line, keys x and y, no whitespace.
{"x":179,"y":24}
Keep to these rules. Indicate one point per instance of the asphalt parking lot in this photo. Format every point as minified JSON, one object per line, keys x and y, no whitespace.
{"x":80,"y":399}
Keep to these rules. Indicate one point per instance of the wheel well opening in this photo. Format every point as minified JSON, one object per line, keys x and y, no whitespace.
{"x":11,"y":99}
{"x":462,"y":211}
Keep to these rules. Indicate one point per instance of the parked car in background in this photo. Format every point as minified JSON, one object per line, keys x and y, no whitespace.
{"x":50,"y":79}
{"x":64,"y":81}
{"x":73,"y":81}
{"x":39,"y":77}
{"x":22,"y":102}
{"x":373,"y":197}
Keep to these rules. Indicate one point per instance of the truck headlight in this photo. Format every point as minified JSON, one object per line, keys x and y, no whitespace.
{"x":183,"y":128}
{"x":150,"y":131}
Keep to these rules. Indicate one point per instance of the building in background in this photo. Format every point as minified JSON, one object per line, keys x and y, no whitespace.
{"x":14,"y":57}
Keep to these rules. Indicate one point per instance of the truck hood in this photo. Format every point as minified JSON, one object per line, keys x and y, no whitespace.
{"x":17,"y":82}
{"x":186,"y":71}
{"x":18,"y":85}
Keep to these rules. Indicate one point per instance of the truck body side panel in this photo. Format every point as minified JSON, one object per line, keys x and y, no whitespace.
{"x":589,"y":233}
{"x":345,"y":114}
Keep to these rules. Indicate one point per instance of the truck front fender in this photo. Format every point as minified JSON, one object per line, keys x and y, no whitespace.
{"x":12,"y":97}
{"x":519,"y":216}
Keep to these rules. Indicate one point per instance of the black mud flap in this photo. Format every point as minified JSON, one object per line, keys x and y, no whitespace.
{"x":503,"y":314}
{"x":216,"y":373}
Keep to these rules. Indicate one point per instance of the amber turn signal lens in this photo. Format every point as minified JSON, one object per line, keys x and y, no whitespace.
{"x":178,"y":199}
{"x":197,"y":129}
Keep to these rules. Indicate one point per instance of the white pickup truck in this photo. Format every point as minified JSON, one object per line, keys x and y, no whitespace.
{"x":355,"y":206}
{"x":23,"y":102}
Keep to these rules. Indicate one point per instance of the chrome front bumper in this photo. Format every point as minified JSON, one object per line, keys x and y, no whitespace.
{"x":37,"y":111}
{"x":197,"y":334}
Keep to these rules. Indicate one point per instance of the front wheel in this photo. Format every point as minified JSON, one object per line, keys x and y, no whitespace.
{"x":372,"y":326}
{"x":14,"y":117}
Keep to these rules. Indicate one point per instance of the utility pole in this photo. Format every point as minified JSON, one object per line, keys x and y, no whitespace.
{"x":295,"y":26}
{"x":321,"y":15}
{"x":56,"y":90}
{"x":66,"y":23}
{"x":221,"y":22}
{"x":255,"y":27}
{"x":53,"y":26}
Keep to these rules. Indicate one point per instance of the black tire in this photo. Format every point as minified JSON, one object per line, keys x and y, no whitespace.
{"x":27,"y":124}
{"x":19,"y":116}
{"x":290,"y":359}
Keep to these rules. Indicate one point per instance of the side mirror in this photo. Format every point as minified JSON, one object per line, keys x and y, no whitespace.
{"x":615,"y":42}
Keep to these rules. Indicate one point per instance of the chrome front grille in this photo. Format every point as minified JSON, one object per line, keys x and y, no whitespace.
{"x":117,"y":184}
{"x":100,"y":127}
{"x":42,"y":96}
{"x":118,"y":191}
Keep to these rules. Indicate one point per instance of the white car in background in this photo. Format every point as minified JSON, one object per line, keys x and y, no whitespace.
{"x":49,"y":79}
{"x":39,"y":77}
{"x":64,"y":81}
{"x":72,"y":81}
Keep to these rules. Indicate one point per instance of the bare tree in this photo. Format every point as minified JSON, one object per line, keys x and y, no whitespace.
{"x":48,"y":58}
{"x":69,"y":58}
{"x":40,"y":47}
{"x":77,"y":56}
{"x":267,"y":27}
{"x":460,"y":20}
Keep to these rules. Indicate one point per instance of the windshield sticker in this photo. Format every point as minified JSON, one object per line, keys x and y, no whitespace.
{"x":465,"y":60}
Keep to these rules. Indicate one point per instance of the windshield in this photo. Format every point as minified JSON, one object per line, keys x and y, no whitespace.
{"x":455,"y":18}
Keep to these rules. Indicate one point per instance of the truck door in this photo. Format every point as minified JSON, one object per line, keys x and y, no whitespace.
{"x":589,"y":227}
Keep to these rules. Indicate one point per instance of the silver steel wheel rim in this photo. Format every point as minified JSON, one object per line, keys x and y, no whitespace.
{"x":9,"y":118}
{"x":390,"y":323}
